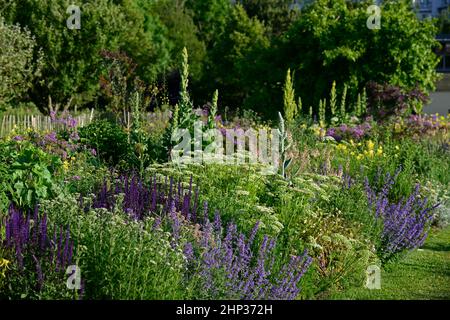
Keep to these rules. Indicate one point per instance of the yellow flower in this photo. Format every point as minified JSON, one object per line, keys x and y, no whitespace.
{"x":4,"y":263}
{"x":370,"y":145}
{"x":397,"y":148}
{"x":359,"y":157}
{"x":316,"y":131}
{"x":398,"y":127}
{"x":379,"y":151}
{"x":66,"y":165}
{"x":3,"y":266}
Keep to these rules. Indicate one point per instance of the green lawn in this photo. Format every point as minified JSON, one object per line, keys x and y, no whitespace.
{"x":422,"y":274}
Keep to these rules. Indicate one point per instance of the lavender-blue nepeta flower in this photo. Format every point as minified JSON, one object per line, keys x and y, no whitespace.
{"x":188,"y":251}
{"x":405,"y":223}
{"x":230,"y":261}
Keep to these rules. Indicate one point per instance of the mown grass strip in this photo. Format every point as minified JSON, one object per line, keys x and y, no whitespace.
{"x":423,"y":274}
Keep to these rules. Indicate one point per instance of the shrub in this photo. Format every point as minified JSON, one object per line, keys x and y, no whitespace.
{"x":387,"y":100}
{"x":108,"y":139}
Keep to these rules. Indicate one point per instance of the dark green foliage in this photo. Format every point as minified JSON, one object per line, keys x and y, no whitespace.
{"x":181,"y":32}
{"x":72,"y":57}
{"x":210,"y":17}
{"x":277,"y":15}
{"x":243,"y":50}
{"x":234,"y":56}
{"x":108,"y":139}
{"x":443,"y":21}
{"x":20,"y":65}
{"x":331,"y":42}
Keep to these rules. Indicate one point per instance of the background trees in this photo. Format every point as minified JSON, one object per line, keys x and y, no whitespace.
{"x":18,"y":67}
{"x":72,"y":60}
{"x":277,"y":15}
{"x":233,"y":57}
{"x":242,"y":49}
{"x":330,"y":42}
{"x":181,"y":32}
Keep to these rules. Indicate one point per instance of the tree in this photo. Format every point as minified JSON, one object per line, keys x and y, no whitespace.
{"x":333,"y":45}
{"x":72,"y":57}
{"x":19,"y":68}
{"x":330,"y":42}
{"x":210,"y":17}
{"x":234,"y":55}
{"x":277,"y":15}
{"x":182,"y":32}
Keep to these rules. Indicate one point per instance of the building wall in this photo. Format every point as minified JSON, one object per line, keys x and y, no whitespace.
{"x":430,"y":8}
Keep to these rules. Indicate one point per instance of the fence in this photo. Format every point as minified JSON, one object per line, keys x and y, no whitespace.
{"x":44,"y":123}
{"x":38,"y":122}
